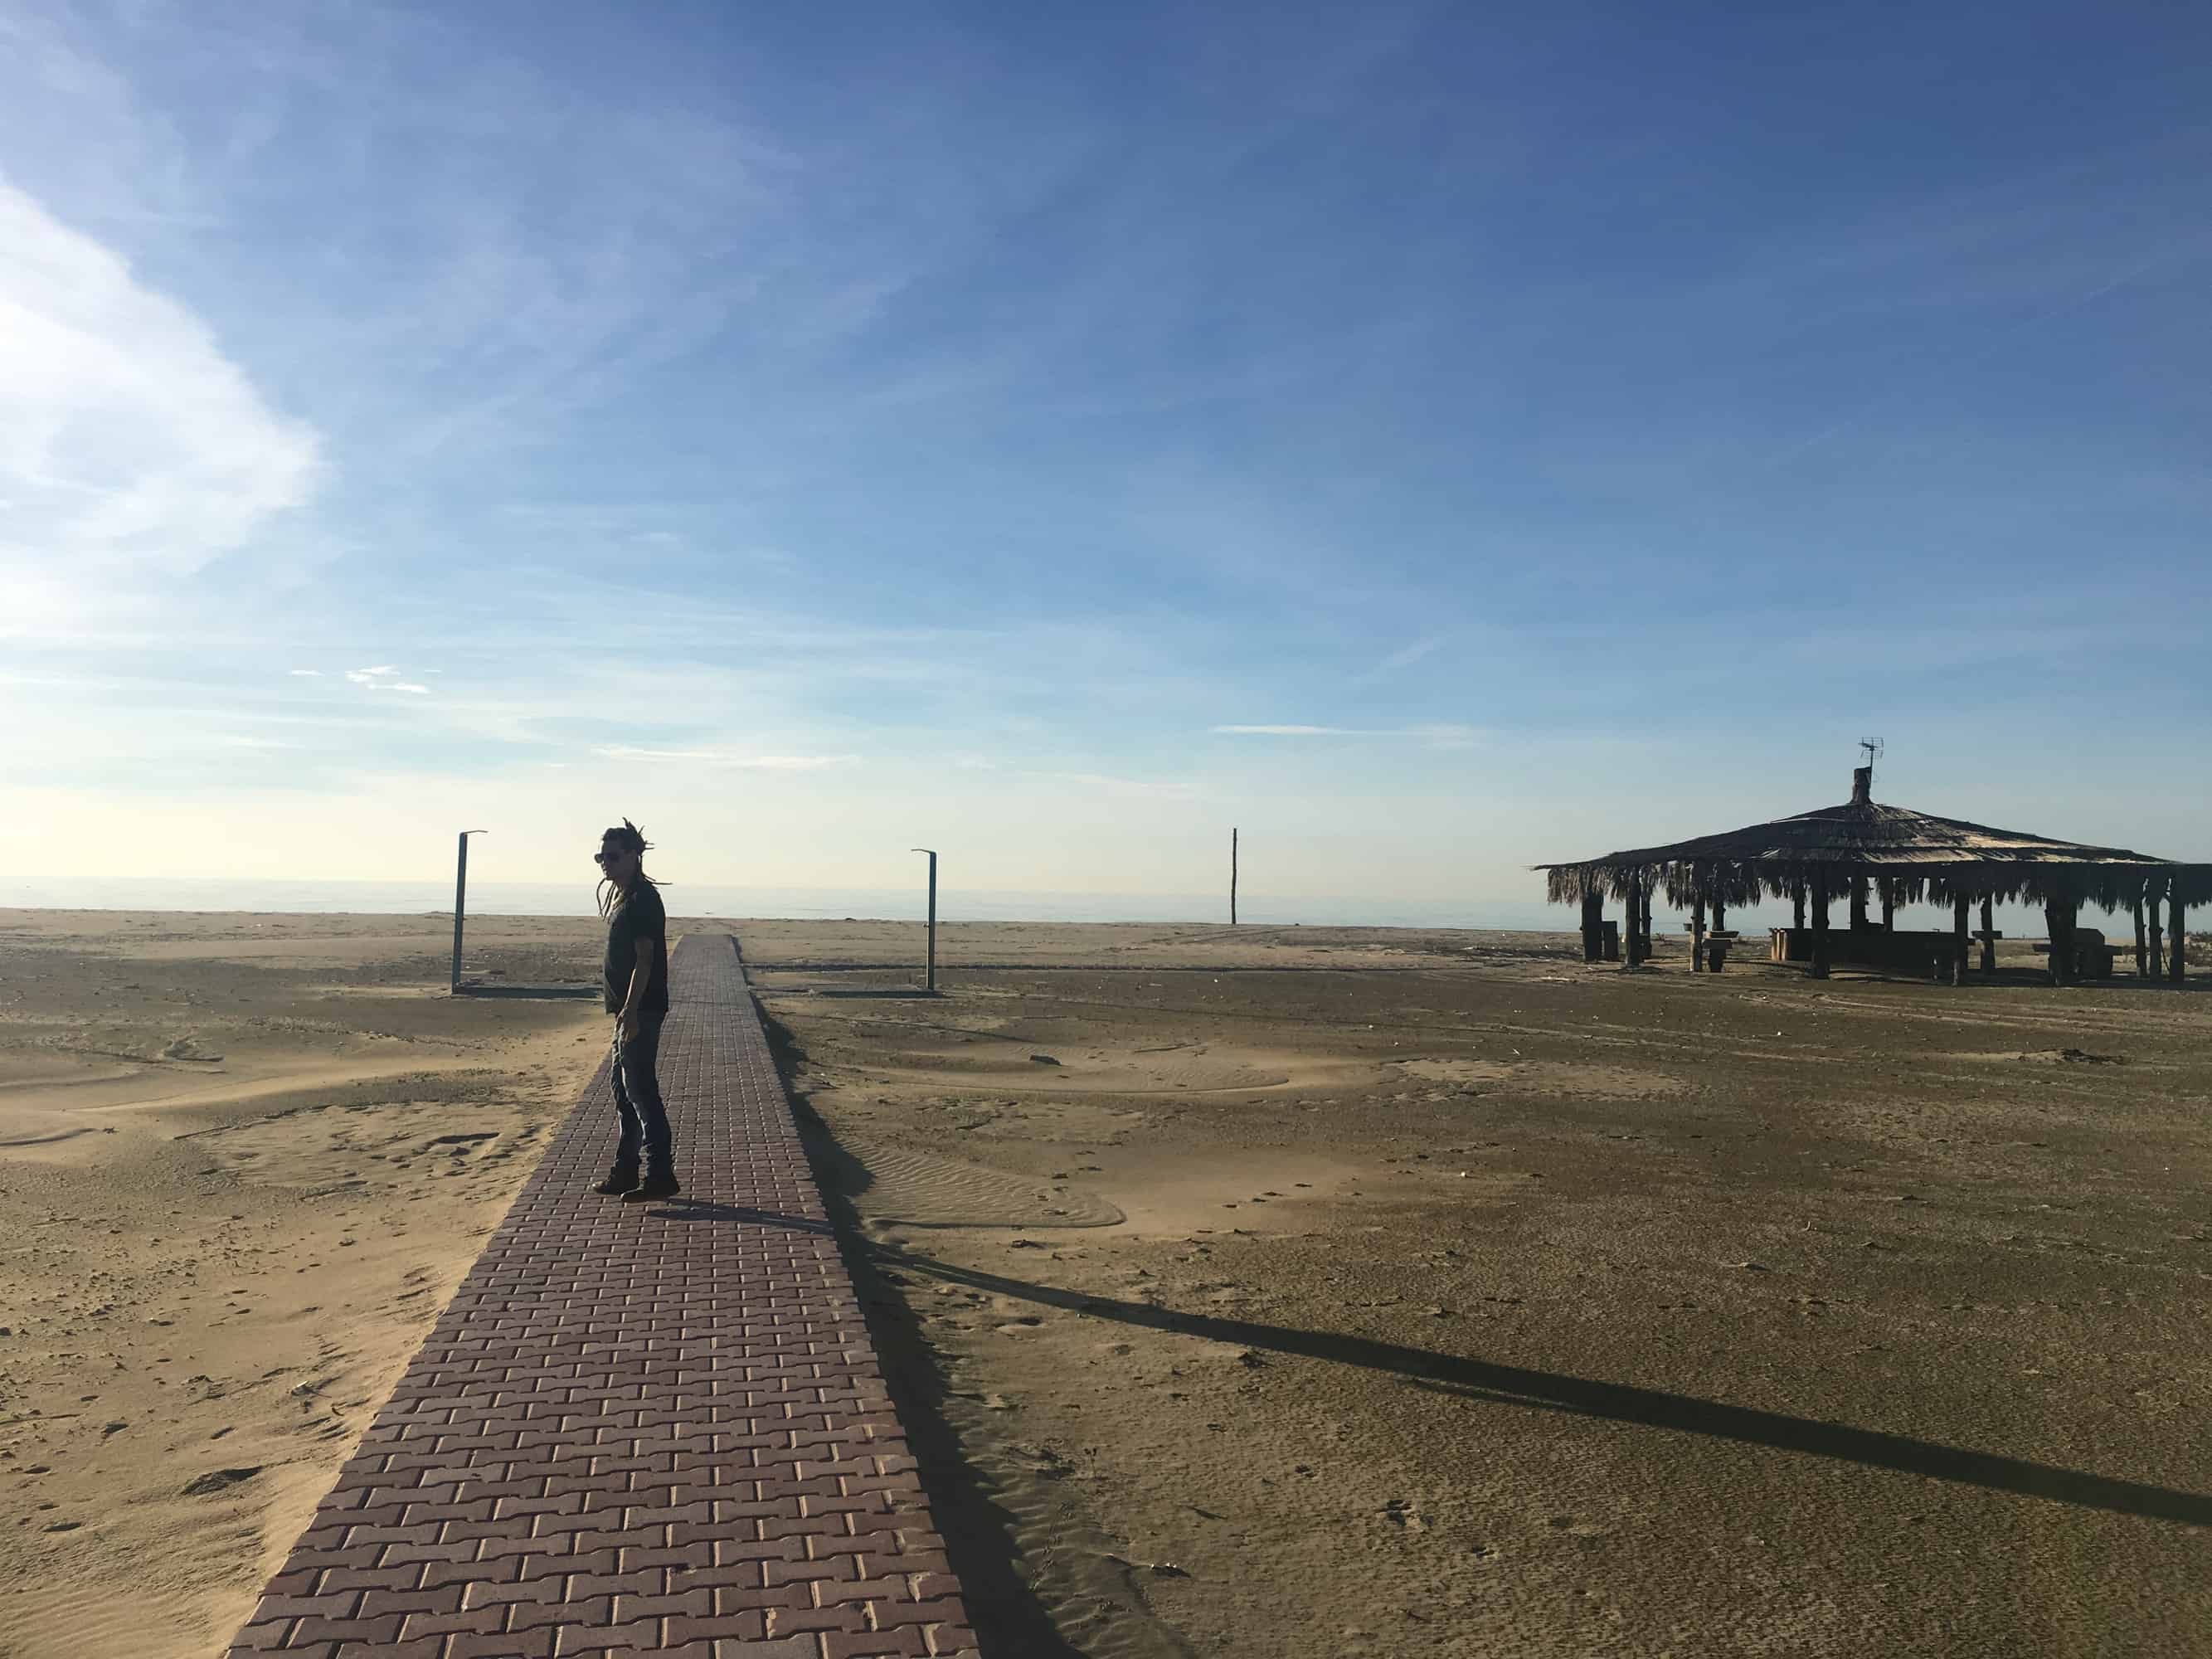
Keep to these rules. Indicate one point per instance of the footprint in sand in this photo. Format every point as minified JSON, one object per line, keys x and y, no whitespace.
{"x":1574,"y":1528}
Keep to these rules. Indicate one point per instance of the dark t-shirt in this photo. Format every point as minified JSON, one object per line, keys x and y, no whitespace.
{"x":639,"y":915}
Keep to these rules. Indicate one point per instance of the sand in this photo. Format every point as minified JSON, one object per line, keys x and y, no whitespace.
{"x":1295,"y":1291}
{"x":243,"y":1162}
{"x":1312,"y":1292}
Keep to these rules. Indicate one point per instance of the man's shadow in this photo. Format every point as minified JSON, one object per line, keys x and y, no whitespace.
{"x":1482,"y":1379}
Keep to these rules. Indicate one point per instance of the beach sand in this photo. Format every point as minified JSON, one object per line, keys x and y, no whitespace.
{"x":1294,"y":1291}
{"x":1312,"y":1292}
{"x":244,"y":1160}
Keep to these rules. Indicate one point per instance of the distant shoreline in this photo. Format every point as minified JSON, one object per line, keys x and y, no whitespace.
{"x":955,"y":905}
{"x":677,"y":914}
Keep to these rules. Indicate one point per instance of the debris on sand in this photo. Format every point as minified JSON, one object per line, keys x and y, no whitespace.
{"x":1158,"y":1569}
{"x":220,"y":1480}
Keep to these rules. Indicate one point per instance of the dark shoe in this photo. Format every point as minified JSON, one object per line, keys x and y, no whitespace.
{"x":620,"y":1181}
{"x":658,"y":1185}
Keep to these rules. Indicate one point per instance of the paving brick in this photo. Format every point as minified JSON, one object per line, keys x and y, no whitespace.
{"x":867,"y":1645}
{"x":641,"y":1637}
{"x":638,"y":1428}
{"x":534,"y":1644}
{"x":263,"y":1635}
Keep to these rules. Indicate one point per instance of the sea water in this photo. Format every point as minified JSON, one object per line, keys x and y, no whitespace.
{"x":509,"y":898}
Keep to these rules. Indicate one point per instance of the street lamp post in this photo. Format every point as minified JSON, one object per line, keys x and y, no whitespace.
{"x":932,"y":913}
{"x":461,"y":900}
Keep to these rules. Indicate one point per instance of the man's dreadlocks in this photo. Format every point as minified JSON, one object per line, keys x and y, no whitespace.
{"x":630,"y":838}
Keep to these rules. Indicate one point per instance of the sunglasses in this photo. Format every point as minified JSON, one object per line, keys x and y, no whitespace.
{"x":602,"y":855}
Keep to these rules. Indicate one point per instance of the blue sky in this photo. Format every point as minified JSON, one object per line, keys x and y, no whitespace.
{"x":1432,"y":439}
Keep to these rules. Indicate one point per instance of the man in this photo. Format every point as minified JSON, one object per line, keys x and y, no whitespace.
{"x":637,"y":995}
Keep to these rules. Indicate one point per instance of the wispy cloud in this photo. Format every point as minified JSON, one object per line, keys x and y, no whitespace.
{"x":1405,"y":657}
{"x":129,"y":444}
{"x":1131,"y":788}
{"x":721,"y":758}
{"x":385,"y":678}
{"x":1439,"y":735}
{"x":306,"y":673}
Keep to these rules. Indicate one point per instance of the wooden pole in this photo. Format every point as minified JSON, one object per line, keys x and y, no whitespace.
{"x":1797,"y":905}
{"x":1989,"y":935}
{"x":1632,"y":954}
{"x":1888,"y":908}
{"x":2176,"y":938}
{"x":1643,"y":932}
{"x":1698,"y":934}
{"x":1232,"y":878}
{"x":1593,"y":926}
{"x":2143,"y":945}
{"x":2156,"y":929}
{"x":1858,"y":909}
{"x":930,"y":960}
{"x":1820,"y":925}
{"x":460,"y":901}
{"x":930,"y":966}
{"x":2058,"y":928}
{"x":1959,"y":946}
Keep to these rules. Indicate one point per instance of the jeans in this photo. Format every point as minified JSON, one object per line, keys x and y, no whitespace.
{"x":637,"y":1097}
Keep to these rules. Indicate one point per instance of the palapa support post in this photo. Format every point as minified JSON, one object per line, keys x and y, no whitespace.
{"x":1644,"y":930}
{"x":2176,"y":938}
{"x":1592,"y":926}
{"x":2156,"y":930}
{"x":1821,"y":926}
{"x":1797,"y":905}
{"x":1889,"y":907}
{"x":1989,"y":935}
{"x":1698,"y":934}
{"x":1630,"y":935}
{"x":1858,"y":911}
{"x":1958,"y":938}
{"x":2058,"y":927}
{"x":2142,"y":946}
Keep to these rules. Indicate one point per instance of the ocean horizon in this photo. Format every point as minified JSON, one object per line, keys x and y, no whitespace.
{"x":778,"y":903}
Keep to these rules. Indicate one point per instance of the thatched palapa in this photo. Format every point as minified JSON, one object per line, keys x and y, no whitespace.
{"x":1905,"y":856}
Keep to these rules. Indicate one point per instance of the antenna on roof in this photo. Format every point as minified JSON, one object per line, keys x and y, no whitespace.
{"x":1865,"y":780}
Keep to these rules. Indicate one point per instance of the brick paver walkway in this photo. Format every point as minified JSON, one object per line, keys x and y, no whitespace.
{"x":638,"y":1428}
